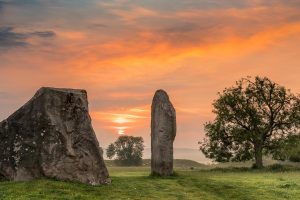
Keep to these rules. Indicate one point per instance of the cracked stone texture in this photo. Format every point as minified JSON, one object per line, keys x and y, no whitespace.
{"x":52,"y":136}
{"x":163,"y":132}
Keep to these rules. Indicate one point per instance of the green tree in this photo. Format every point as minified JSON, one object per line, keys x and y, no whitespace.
{"x":252,"y":118}
{"x":127,"y":150}
{"x":110,"y":151}
{"x":290,"y":149}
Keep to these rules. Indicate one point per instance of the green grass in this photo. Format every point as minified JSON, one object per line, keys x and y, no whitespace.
{"x":135,"y":183}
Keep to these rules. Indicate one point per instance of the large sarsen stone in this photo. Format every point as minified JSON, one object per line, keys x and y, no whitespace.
{"x":163,"y":132}
{"x":52,"y":136}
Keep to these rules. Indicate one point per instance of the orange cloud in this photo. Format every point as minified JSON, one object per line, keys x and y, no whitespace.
{"x":191,"y":53}
{"x":124,"y":121}
{"x":143,"y":49}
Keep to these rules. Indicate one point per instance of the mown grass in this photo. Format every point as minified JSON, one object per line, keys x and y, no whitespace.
{"x":135,"y":183}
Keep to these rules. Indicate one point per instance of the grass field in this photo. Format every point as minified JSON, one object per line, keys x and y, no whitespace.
{"x":135,"y":183}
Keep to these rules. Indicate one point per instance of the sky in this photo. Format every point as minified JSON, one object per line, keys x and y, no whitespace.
{"x":122,"y":51}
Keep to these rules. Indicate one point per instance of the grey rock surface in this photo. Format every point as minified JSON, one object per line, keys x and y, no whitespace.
{"x":52,"y":136}
{"x":163,"y":132}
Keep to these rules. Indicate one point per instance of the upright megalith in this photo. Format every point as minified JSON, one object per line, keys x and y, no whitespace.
{"x":163,"y":132}
{"x":52,"y":136}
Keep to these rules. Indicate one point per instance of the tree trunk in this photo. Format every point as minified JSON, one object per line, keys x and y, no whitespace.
{"x":258,"y":156}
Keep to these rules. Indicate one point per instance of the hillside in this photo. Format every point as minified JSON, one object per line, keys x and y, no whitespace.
{"x":180,"y":153}
{"x":188,"y":164}
{"x":178,"y":163}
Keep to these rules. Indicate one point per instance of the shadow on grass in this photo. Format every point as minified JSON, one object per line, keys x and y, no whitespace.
{"x":154,"y":175}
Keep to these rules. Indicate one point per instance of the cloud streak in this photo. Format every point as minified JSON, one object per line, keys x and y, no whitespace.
{"x":10,"y":38}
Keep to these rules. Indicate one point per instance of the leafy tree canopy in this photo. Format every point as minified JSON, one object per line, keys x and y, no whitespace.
{"x":252,"y":119}
{"x":127,"y":150}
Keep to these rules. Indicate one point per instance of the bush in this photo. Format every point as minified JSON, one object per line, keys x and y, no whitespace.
{"x":295,"y":157}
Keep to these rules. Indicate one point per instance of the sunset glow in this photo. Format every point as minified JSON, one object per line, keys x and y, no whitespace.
{"x":121,"y":123}
{"x":122,"y":51}
{"x":121,"y":132}
{"x":121,"y":120}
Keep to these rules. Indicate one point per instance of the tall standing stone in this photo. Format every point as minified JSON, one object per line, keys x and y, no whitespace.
{"x":163,"y":132}
{"x":52,"y":136}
